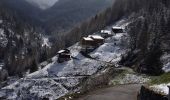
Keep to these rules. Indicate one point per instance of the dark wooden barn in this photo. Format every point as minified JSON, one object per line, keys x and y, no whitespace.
{"x":98,"y":40}
{"x":87,"y":44}
{"x":106,"y":33}
{"x":64,"y":55}
{"x":117,"y":30}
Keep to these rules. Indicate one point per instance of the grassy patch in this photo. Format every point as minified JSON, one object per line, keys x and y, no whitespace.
{"x":164,"y":78}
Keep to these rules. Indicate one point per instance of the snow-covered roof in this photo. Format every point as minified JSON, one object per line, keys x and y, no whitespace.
{"x":88,"y":38}
{"x":64,"y":51}
{"x":105,"y":32}
{"x":115,"y":27}
{"x":96,"y":37}
{"x":61,"y":51}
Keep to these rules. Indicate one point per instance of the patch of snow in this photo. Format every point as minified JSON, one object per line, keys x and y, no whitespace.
{"x":112,"y":50}
{"x":166,"y":62}
{"x":37,"y":87}
{"x":1,"y":65}
{"x":96,"y":37}
{"x":61,"y":51}
{"x":106,"y":32}
{"x":129,"y":79}
{"x":116,"y":27}
{"x":3,"y":39}
{"x":46,"y":42}
{"x":2,"y":32}
{"x":87,"y":38}
{"x":161,"y":88}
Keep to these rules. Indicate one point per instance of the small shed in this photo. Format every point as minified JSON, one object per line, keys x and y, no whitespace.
{"x":106,"y":33}
{"x":117,"y":30}
{"x":98,"y":40}
{"x":64,"y":55}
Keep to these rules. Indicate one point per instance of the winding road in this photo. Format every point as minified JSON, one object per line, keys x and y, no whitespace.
{"x":122,"y":92}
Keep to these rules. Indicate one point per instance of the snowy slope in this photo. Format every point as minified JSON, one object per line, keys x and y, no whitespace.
{"x":166,"y":62}
{"x":161,"y":88}
{"x":3,"y":38}
{"x":58,"y":79}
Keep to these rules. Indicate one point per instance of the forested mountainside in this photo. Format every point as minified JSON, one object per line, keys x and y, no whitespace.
{"x":65,"y":14}
{"x":61,"y":16}
{"x":145,"y":48}
{"x":150,"y":34}
{"x":20,"y":45}
{"x":23,"y":44}
{"x":149,"y":31}
{"x":144,"y":27}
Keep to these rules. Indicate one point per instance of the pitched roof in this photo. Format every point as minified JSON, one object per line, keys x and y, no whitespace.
{"x":106,"y":32}
{"x":88,"y":38}
{"x":61,"y":51}
{"x":117,"y":27}
{"x":96,"y":37}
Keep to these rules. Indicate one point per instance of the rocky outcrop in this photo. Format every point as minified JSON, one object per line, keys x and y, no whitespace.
{"x":147,"y":94}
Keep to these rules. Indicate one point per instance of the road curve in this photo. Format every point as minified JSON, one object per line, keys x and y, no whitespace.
{"x":122,"y":92}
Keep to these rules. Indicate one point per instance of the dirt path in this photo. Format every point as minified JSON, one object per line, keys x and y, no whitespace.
{"x":123,"y":92}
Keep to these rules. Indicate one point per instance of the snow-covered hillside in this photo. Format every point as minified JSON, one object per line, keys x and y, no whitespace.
{"x":166,"y":62}
{"x":58,"y":79}
{"x":161,"y":88}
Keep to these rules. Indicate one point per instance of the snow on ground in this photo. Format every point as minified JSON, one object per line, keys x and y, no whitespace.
{"x":41,"y":87}
{"x":132,"y":79}
{"x":3,"y":39}
{"x":56,"y":79}
{"x":113,"y":48}
{"x":166,"y":62}
{"x":161,"y":88}
{"x":46,"y":42}
{"x":128,"y":76}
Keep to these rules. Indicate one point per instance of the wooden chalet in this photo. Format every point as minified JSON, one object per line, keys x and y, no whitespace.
{"x":106,"y":33}
{"x":117,"y":30}
{"x":98,"y":40}
{"x":64,"y":55}
{"x":87,"y":44}
{"x":91,"y":42}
